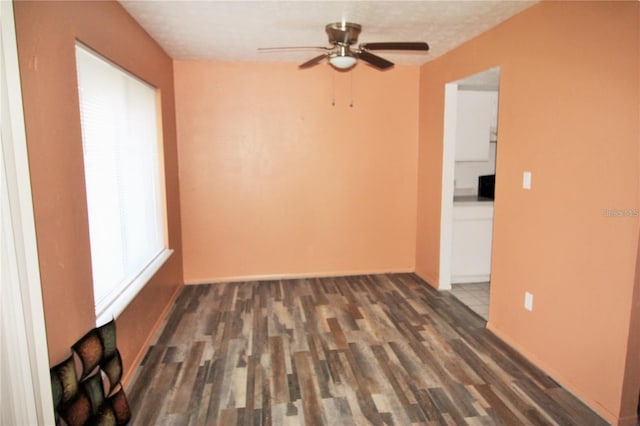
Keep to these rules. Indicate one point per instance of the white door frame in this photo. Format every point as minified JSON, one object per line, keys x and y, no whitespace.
{"x":448,"y":170}
{"x":25,"y":385}
{"x":448,"y":173}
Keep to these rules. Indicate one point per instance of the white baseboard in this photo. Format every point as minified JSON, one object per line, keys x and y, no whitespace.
{"x":289,"y":276}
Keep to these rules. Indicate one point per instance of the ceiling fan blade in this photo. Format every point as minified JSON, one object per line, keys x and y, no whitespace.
{"x":267,"y":49}
{"x":374,"y":60}
{"x":313,"y":61}
{"x":401,"y":45}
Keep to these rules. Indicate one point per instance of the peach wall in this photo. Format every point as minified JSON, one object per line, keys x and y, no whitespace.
{"x":46,"y":34}
{"x":275,"y":181}
{"x":569,"y":108}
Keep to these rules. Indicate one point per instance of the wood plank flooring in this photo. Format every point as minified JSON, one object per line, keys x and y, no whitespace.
{"x":375,"y":349}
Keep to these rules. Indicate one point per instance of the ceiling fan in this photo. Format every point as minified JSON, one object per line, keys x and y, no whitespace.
{"x":343,"y":55}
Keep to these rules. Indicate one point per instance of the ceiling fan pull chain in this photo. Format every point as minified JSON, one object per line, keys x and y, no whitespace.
{"x":351,"y":94}
{"x":333,"y":87}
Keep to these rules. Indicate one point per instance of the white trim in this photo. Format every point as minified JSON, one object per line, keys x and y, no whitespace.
{"x":26,"y":369}
{"x":448,"y":174}
{"x":293,"y":276}
{"x":162,"y":169}
{"x":114,"y":308}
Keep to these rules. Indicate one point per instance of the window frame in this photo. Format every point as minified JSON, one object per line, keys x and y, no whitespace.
{"x":122,"y":294}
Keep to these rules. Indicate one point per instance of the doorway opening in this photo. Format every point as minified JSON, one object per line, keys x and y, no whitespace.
{"x":468,"y":182}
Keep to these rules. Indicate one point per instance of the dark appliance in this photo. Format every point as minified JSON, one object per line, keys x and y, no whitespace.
{"x":486,"y":186}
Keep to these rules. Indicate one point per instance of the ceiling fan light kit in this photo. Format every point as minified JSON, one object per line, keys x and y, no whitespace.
{"x":343,"y":54}
{"x":342,"y":59}
{"x":342,"y":62}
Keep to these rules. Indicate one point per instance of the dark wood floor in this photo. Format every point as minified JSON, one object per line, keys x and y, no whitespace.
{"x":380,"y":349}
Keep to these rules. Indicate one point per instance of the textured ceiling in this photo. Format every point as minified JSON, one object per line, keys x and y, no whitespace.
{"x":233,"y":30}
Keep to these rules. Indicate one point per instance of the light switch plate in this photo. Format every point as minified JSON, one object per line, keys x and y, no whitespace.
{"x":526,"y":180}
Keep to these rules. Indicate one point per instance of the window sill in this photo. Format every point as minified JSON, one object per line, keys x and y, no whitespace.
{"x":113,"y":308}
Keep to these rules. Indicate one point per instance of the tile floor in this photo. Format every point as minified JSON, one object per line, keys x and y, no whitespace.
{"x":475,"y":296}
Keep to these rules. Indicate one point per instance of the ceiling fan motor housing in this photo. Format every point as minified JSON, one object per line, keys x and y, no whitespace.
{"x":344,"y":33}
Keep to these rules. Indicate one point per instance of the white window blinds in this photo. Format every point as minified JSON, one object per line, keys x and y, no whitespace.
{"x":124,"y":181}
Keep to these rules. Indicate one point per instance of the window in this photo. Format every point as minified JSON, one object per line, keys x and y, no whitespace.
{"x":121,"y":138}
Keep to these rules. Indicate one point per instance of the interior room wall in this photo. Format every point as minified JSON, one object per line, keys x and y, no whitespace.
{"x":569,"y":108}
{"x":46,"y":36}
{"x":276,"y":181}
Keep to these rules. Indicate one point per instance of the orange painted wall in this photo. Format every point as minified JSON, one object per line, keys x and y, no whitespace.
{"x":46,"y":34}
{"x":275,"y":181}
{"x":569,"y":109}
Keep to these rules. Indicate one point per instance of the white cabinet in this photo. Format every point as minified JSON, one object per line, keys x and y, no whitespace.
{"x":473,"y":124}
{"x":471,"y":244}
